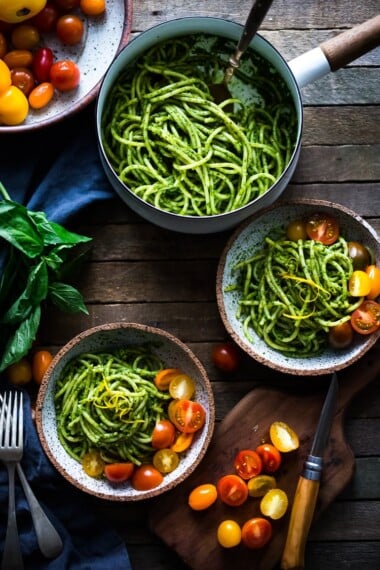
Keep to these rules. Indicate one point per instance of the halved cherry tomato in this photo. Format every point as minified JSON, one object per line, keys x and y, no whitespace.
{"x":65,"y":75}
{"x":186,"y":415}
{"x":163,"y":377}
{"x":373,"y":273}
{"x":118,"y":472}
{"x":70,"y":29}
{"x":182,"y":442}
{"x":283,"y":437}
{"x":225,"y":357}
{"x":247,"y":463}
{"x":341,"y":335}
{"x":256,"y":532}
{"x":202,"y":497}
{"x":40,"y":363}
{"x":232,"y":490}
{"x":165,"y":460}
{"x":366,"y":318}
{"x":258,"y":486}
{"x":182,"y":387}
{"x":323,"y":228}
{"x":296,"y":230}
{"x":93,"y":463}
{"x":92,"y":7}
{"x":41,"y":95}
{"x":359,"y":284}
{"x":163,"y":434}
{"x":359,"y":255}
{"x":228,"y":534}
{"x":146,"y":477}
{"x":274,"y":504}
{"x":20,"y":372}
{"x":270,"y":457}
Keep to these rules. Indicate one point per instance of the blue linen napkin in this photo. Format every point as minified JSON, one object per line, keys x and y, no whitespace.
{"x":57,"y":171}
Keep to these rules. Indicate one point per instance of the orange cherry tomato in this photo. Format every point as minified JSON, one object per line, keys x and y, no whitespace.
{"x":366,"y":318}
{"x":232,"y":490}
{"x":93,"y":7}
{"x":70,"y":29}
{"x":65,"y":75}
{"x":187,"y":416}
{"x":146,"y":477}
{"x":256,"y":532}
{"x":247,"y":463}
{"x":182,"y":442}
{"x":163,"y":377}
{"x":274,"y":504}
{"x":270,"y":457}
{"x":202,"y":497}
{"x":23,"y":78}
{"x":20,"y":372}
{"x":93,"y":463}
{"x":373,"y":273}
{"x":163,"y":434}
{"x":323,"y":228}
{"x":40,"y":363}
{"x":18,"y":58}
{"x":118,"y":472}
{"x":283,"y":437}
{"x":41,"y":95}
{"x":359,"y":284}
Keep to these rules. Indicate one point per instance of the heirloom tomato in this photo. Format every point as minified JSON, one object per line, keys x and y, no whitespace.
{"x":146,"y":477}
{"x":232,"y":490}
{"x":163,"y":434}
{"x":366,"y":318}
{"x":118,"y":472}
{"x":202,"y":497}
{"x":186,"y":415}
{"x":228,"y":534}
{"x":270,"y":457}
{"x":323,"y":228}
{"x":256,"y":532}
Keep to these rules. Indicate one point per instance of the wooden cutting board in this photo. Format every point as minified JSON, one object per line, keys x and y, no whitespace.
{"x":193,"y":534}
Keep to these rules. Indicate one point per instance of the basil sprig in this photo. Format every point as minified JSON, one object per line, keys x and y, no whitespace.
{"x":36,"y":260}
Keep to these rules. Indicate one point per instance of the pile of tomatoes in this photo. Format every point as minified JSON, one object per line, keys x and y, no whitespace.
{"x":253,"y":476}
{"x":29,"y":369}
{"x":30,"y":73}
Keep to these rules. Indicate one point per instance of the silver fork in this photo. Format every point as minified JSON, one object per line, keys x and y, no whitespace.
{"x":49,"y":541}
{"x":11,"y":448}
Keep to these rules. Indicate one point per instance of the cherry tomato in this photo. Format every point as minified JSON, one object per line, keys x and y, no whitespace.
{"x":64,"y":75}
{"x":225,"y":357}
{"x":23,"y":78}
{"x":92,"y":7}
{"x":256,"y":533}
{"x":70,"y":29}
{"x":270,"y":457}
{"x":40,"y":363}
{"x":164,"y":377}
{"x":163,"y":434}
{"x":25,"y":36}
{"x":323,"y":228}
{"x":283,"y":437}
{"x":341,"y":335}
{"x":42,"y":62}
{"x":41,"y":95}
{"x":366,"y":318}
{"x":274,"y":504}
{"x":93,"y":463}
{"x":247,"y":463}
{"x":359,"y":255}
{"x":5,"y":76}
{"x":232,"y":490}
{"x":165,"y":460}
{"x":261,"y":484}
{"x":118,"y":472}
{"x":373,"y":273}
{"x":202,"y":497}
{"x":146,"y":477}
{"x":182,"y":442}
{"x":187,"y":416}
{"x":296,"y":230}
{"x":67,"y":5}
{"x":359,"y":284}
{"x":14,"y":106}
{"x":3,"y":45}
{"x":18,"y":58}
{"x":182,"y":387}
{"x":228,"y":534}
{"x":20,"y":372}
{"x":46,"y":20}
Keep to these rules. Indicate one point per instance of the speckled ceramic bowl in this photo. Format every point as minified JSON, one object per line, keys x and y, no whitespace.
{"x":247,"y":240}
{"x":108,"y":337}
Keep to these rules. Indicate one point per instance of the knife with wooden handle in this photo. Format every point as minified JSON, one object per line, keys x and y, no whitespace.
{"x":306,"y":494}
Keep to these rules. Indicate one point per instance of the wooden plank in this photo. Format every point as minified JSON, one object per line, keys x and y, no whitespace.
{"x":346,"y":520}
{"x":339,"y":125}
{"x":336,"y":556}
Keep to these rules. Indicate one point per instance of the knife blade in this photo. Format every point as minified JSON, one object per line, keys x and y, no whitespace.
{"x":306,"y":494}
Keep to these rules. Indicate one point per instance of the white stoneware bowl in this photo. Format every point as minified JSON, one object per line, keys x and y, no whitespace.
{"x":247,"y":240}
{"x":174,"y":354}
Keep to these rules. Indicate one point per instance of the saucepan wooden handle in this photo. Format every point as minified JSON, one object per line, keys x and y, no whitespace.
{"x":351,"y":44}
{"x":305,"y":499}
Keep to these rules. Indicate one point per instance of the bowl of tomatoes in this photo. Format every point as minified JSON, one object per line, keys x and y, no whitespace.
{"x":298,"y":287}
{"x":53,"y":56}
{"x":125,"y":411}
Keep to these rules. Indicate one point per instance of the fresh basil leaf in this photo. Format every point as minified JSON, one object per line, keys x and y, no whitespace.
{"x":66,"y":298}
{"x":10,"y":261}
{"x":35,"y":291}
{"x":53,"y":233}
{"x":17,"y":229}
{"x":19,"y":344}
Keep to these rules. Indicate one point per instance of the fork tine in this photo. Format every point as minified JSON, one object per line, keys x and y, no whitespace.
{"x":8,"y":416}
{"x":2,"y":422}
{"x":20,"y":421}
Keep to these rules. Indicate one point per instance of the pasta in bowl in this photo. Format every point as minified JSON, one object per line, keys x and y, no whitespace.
{"x":125,"y":411}
{"x":293,"y":292}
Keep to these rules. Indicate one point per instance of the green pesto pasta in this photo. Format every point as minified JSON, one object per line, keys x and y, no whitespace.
{"x":292,"y":292}
{"x":108,"y":402}
{"x":178,"y":150}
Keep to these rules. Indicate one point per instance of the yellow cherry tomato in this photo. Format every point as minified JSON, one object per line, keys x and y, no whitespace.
{"x":14,"y":106}
{"x":202,"y":497}
{"x":5,"y":76}
{"x":258,"y":486}
{"x":373,"y":273}
{"x":14,"y":11}
{"x":41,"y":95}
{"x":93,"y":463}
{"x":229,"y":534}
{"x":274,"y":504}
{"x":283,"y":437}
{"x":359,"y":284}
{"x":20,"y":372}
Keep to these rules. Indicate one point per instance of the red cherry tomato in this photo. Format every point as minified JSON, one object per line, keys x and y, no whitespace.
{"x":64,"y":75}
{"x":248,"y":463}
{"x":118,"y":472}
{"x":373,"y":273}
{"x":323,"y":228}
{"x":42,"y":62}
{"x":256,"y":532}
{"x":70,"y":29}
{"x":163,"y":434}
{"x":146,"y":477}
{"x":232,"y":490}
{"x":23,"y":78}
{"x":225,"y":356}
{"x":270,"y":457}
{"x":341,"y":335}
{"x":366,"y":318}
{"x":187,"y":416}
{"x":46,"y":20}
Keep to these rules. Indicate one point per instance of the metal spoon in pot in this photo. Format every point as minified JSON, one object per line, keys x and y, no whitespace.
{"x":257,"y":14}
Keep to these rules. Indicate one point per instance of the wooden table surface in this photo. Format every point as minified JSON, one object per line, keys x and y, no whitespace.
{"x":141,"y":273}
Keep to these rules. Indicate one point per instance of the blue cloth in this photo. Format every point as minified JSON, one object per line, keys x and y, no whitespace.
{"x":57,"y":171}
